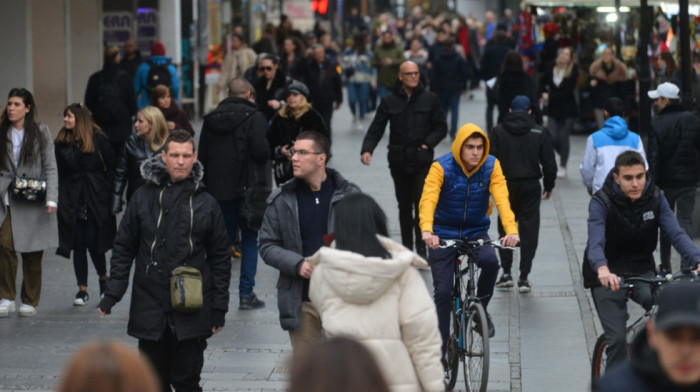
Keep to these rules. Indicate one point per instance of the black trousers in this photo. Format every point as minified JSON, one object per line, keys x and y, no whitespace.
{"x":177,"y":363}
{"x":490,"y":105}
{"x":326,"y":112}
{"x":525,"y":197}
{"x":408,"y":189}
{"x":86,"y":240}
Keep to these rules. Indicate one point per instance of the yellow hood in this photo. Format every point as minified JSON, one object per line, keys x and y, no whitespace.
{"x":463,"y":134}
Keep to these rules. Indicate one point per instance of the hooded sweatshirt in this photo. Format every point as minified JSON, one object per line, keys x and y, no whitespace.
{"x":603,"y":147}
{"x":455,"y":202}
{"x":385,"y":304}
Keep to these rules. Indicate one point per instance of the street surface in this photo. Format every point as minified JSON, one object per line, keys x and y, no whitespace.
{"x":543,"y":339}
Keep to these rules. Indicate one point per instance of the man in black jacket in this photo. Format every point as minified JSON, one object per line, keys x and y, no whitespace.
{"x":234,"y":152}
{"x":323,"y":81}
{"x":674,"y":139}
{"x":417,"y":126}
{"x":171,"y":222}
{"x":522,"y":147}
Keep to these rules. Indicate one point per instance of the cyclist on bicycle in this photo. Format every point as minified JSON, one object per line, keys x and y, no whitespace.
{"x":624,"y":218}
{"x":455,"y":205}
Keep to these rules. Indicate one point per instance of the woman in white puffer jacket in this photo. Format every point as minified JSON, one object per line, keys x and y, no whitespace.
{"x":365,"y":286}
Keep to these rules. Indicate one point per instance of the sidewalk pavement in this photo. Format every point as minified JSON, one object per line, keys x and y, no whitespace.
{"x":543,"y":339}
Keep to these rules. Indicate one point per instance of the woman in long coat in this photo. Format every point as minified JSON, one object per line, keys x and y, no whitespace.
{"x":28,"y":227}
{"x":86,"y":164}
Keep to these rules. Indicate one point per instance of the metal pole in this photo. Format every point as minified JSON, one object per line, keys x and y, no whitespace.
{"x":644,"y":73}
{"x":686,"y":96}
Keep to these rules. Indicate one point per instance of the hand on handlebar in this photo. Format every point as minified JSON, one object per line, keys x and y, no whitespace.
{"x":510,"y":240}
{"x":431,"y":241}
{"x":608,"y":279}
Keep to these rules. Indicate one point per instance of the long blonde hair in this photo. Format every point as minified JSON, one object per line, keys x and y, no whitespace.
{"x":159,"y":128}
{"x":569,"y":66}
{"x":305,"y":106}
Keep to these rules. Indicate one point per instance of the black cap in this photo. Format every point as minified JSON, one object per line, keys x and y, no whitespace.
{"x":298,"y":88}
{"x":679,"y":306}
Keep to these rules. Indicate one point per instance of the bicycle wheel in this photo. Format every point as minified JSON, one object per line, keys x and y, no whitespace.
{"x":476,"y":348}
{"x":452,"y":351}
{"x":600,"y":358}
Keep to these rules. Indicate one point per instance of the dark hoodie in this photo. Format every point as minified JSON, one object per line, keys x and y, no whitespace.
{"x":449,"y":73}
{"x":522,"y":146}
{"x":510,"y":84}
{"x":642,"y":374}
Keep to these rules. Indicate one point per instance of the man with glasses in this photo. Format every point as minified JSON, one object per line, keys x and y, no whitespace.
{"x":417,"y":126}
{"x":298,"y":215}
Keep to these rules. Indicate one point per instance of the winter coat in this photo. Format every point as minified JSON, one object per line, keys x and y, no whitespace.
{"x":674,"y":139}
{"x":492,"y":59}
{"x":277,"y":90}
{"x":603,"y":147}
{"x":135,"y":151}
{"x":279,"y":243}
{"x":386,"y":74}
{"x":324,"y":83}
{"x":191,"y":232}
{"x":284,"y":129}
{"x":85,"y":190}
{"x":522,"y":147}
{"x":643,"y":373}
{"x":232,"y":143}
{"x":414,"y":121}
{"x":357,"y":67}
{"x":120,"y":130}
{"x":562,"y":101}
{"x":296,"y":69}
{"x":510,"y":84}
{"x":175,"y":114}
{"x":235,"y":64}
{"x":611,"y":85}
{"x":130,"y":66}
{"x":455,"y":202}
{"x":32,"y":228}
{"x":142,"y":75}
{"x":449,"y":74}
{"x":384,"y":304}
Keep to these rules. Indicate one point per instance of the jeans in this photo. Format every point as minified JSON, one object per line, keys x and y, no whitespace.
{"x":525,"y":197}
{"x":442,"y":267}
{"x":177,"y":363}
{"x":408,"y":189}
{"x":382,"y":91}
{"x":326,"y":112}
{"x":684,"y":199}
{"x":86,"y":239}
{"x":249,"y":245}
{"x":560,"y":129}
{"x":450,"y":103}
{"x":358,"y":96}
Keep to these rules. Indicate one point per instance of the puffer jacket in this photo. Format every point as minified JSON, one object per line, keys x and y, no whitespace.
{"x":674,"y":139}
{"x":455,"y":202}
{"x":167,"y":225}
{"x":135,"y":151}
{"x":384,"y":304}
{"x":279,"y":243}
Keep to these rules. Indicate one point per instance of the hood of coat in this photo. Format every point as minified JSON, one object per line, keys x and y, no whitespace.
{"x":463,"y":134}
{"x":154,"y":171}
{"x":229,"y":115}
{"x":358,"y":279}
{"x":518,"y":123}
{"x":615,"y":127}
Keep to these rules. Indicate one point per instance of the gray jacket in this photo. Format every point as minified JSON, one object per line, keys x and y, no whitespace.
{"x":279,"y":242}
{"x":32,"y":228}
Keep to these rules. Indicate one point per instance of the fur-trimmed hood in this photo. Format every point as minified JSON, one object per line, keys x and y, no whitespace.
{"x":154,"y":171}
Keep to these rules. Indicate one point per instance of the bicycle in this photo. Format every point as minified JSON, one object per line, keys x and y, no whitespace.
{"x":469,"y":338}
{"x":599,"y":360}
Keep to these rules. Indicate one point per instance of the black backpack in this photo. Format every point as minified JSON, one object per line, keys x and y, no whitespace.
{"x":110,"y":103}
{"x":158,"y":74}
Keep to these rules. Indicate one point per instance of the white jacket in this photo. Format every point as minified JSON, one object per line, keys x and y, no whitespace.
{"x":385,"y":304}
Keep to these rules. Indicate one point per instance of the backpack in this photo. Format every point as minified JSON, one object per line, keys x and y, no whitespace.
{"x":158,"y":74}
{"x":110,"y":102}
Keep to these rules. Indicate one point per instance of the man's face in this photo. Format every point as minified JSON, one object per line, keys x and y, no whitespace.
{"x":179,"y":159}
{"x":129,"y":47}
{"x":387,"y":38}
{"x":472,"y":152}
{"x":678,"y":350}
{"x":409,"y":75}
{"x":660,"y":104}
{"x":236,"y":43}
{"x":631,"y":180}
{"x":319,"y":54}
{"x":306,"y":161}
{"x":268,"y":69}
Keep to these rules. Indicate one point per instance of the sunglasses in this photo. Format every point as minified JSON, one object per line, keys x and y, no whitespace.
{"x":264,"y":68}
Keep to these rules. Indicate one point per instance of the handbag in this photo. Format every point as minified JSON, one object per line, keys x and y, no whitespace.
{"x":30,"y":189}
{"x":186,"y":289}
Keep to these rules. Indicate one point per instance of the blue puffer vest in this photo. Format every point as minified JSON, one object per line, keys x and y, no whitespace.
{"x":457,"y":216}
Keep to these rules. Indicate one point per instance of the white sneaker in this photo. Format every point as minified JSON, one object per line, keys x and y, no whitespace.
{"x":7,"y":306}
{"x":27,"y":310}
{"x":561,"y":173}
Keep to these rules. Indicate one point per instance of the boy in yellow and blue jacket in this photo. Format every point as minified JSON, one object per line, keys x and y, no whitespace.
{"x":455,"y":205}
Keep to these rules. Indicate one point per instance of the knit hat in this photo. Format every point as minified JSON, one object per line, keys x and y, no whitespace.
{"x":298,"y":88}
{"x":520,"y":103}
{"x":157,"y":49}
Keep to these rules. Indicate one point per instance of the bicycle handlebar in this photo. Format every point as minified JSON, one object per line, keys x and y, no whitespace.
{"x":464,"y":244}
{"x":629,"y":281}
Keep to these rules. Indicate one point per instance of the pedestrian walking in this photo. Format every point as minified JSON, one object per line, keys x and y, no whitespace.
{"x":235,"y":155}
{"x":387,"y":58}
{"x":27,"y":212}
{"x":417,"y":126}
{"x":271,"y":86}
{"x":175,"y":117}
{"x":325,"y":87}
{"x":513,"y":81}
{"x":607,"y":76}
{"x":359,"y":77}
{"x":86,"y":164}
{"x":495,"y":51}
{"x":171,"y":225}
{"x":132,"y":58}
{"x":293,"y":62}
{"x":158,"y":69}
{"x":448,"y":80}
{"x":525,"y":152}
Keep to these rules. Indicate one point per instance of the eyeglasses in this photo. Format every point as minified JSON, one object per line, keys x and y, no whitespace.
{"x":264,"y":68}
{"x":412,"y":74}
{"x":302,"y":153}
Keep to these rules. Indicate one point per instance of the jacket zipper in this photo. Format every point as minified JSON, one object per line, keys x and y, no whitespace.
{"x":466,"y":201}
{"x":192,"y":221}
{"x":160,"y":216}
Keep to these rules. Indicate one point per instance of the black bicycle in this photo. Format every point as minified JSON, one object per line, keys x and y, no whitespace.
{"x":469,"y":335}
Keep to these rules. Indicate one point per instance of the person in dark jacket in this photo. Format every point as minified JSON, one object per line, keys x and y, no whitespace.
{"x":85,"y":163}
{"x":323,"y":81}
{"x":271,"y":86}
{"x":494,"y":53}
{"x":665,"y":355}
{"x":674,"y":141}
{"x":417,"y":126}
{"x":526,"y":153}
{"x":448,"y":79}
{"x":511,"y":82}
{"x":151,"y":132}
{"x":624,"y":218}
{"x":234,"y":152}
{"x":132,"y":58}
{"x":175,"y":117}
{"x":293,"y":62}
{"x":111,"y":98}
{"x":171,"y":222}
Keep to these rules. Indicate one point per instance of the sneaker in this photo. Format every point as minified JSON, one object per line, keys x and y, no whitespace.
{"x":251,"y":302}
{"x":103,"y":287}
{"x":524,"y":286}
{"x":561,"y":173}
{"x":27,"y":310}
{"x":7,"y":306}
{"x":489,"y":322}
{"x":505,"y":281}
{"x":81,"y":298}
